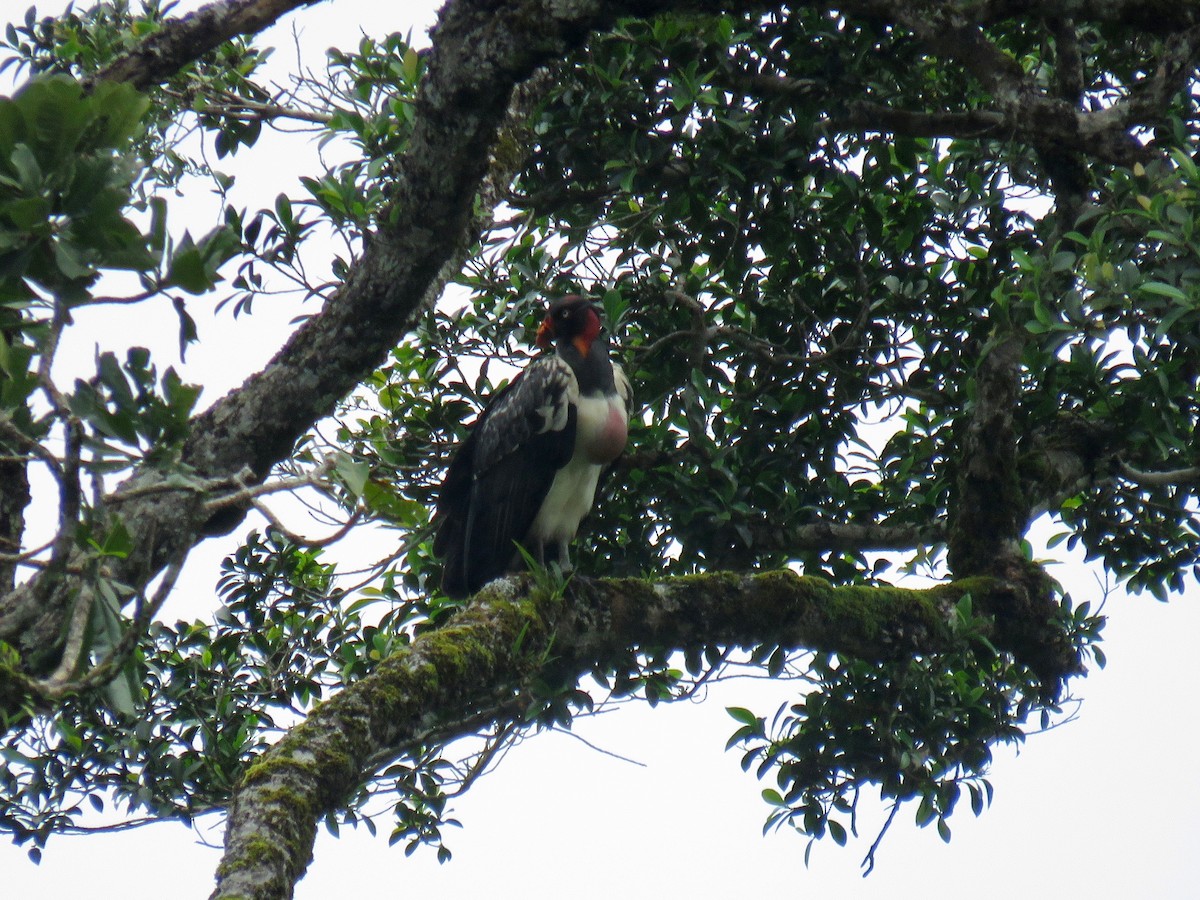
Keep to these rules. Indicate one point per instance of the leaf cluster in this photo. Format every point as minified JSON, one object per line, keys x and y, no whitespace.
{"x":919,"y":730}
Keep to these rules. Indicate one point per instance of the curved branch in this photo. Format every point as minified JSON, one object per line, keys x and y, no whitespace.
{"x":510,"y":633}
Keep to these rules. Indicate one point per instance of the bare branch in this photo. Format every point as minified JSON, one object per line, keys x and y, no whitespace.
{"x":868,"y":862}
{"x":27,"y":556}
{"x":73,"y":648}
{"x":609,"y":753}
{"x":1160,"y":479}
{"x":277,"y":524}
{"x":248,"y":493}
{"x":234,"y":107}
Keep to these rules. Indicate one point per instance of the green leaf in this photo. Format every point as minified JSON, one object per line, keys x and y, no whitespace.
{"x":744,"y":716}
{"x":69,"y":262}
{"x":838,"y":832}
{"x":943,"y":830}
{"x":26,"y":168}
{"x":187,"y":269}
{"x":1162,"y":289}
{"x":353,"y":473}
{"x":124,"y":691}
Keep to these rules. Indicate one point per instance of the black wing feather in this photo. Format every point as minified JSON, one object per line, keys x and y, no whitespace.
{"x":502,"y":473}
{"x":505,"y":501}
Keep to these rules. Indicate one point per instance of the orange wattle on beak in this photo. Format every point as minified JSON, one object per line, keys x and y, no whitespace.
{"x":545,"y":334}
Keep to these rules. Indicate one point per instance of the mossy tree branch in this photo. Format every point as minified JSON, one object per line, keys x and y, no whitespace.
{"x":513,"y":632}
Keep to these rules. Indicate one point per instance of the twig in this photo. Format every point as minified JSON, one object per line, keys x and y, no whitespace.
{"x":60,"y":683}
{"x":869,"y":859}
{"x":26,"y":556}
{"x":592,"y":746}
{"x":125,"y":301}
{"x":73,"y":648}
{"x":9,"y":432}
{"x":277,"y":524}
{"x":250,"y":110}
{"x":709,"y":675}
{"x":498,"y":745}
{"x":177,"y":482}
{"x":246,"y":494}
{"x":70,"y":497}
{"x":69,"y":487}
{"x":119,"y":654}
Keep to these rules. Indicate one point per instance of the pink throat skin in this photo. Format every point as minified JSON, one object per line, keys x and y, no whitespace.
{"x":611,"y":439}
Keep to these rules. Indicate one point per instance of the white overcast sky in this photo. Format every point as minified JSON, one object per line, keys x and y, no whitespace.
{"x":1104,"y":807}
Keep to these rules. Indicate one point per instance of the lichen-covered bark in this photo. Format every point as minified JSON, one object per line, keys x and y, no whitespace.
{"x":990,"y":514}
{"x":1060,"y":461}
{"x":14,"y":497}
{"x":189,"y":37}
{"x":511,"y":633}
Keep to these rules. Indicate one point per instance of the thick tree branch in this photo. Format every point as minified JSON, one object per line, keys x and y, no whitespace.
{"x":989,"y":514}
{"x":1102,"y":135}
{"x":1019,"y":109}
{"x":990,"y":511}
{"x":1056,"y":124}
{"x":510,"y":634}
{"x":846,"y":537}
{"x":184,"y":40}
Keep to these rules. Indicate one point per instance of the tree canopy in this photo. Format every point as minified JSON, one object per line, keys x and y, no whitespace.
{"x":893,"y":280}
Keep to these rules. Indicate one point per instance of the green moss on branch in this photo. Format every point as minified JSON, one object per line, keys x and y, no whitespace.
{"x":514,"y":632}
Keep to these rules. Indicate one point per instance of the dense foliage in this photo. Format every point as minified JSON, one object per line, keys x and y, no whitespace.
{"x":866,"y":307}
